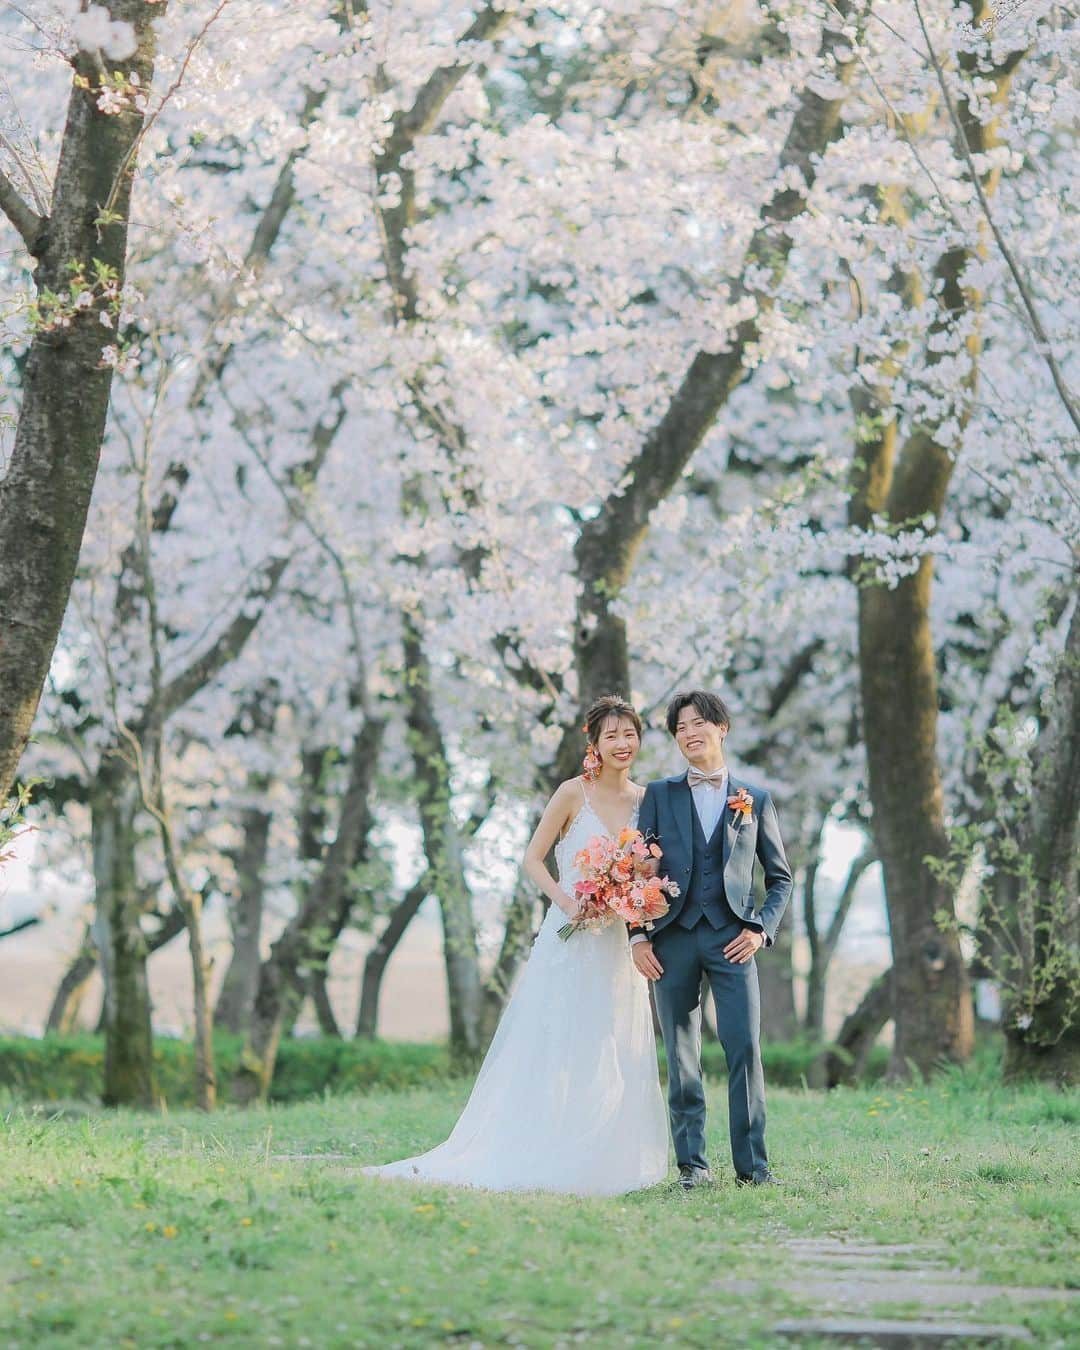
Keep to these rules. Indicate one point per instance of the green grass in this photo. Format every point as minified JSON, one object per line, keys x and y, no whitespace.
{"x":184,"y":1229}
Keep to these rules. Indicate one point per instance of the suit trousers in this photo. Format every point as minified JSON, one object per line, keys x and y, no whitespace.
{"x":685,"y":955}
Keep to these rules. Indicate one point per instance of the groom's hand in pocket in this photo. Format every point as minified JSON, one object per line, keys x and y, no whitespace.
{"x":739,"y":950}
{"x":645,"y":960}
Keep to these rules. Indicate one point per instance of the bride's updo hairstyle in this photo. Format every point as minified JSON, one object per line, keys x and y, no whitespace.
{"x":607,"y":705}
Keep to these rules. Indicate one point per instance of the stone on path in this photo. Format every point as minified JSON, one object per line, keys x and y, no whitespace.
{"x":908,"y":1335}
{"x":847,"y":1280}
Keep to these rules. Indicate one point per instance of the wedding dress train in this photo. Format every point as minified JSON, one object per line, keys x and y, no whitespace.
{"x":568,"y":1097}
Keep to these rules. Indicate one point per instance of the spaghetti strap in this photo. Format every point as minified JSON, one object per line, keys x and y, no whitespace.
{"x":567,"y":828}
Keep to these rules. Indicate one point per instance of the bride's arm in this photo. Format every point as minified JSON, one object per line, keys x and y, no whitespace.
{"x":558,"y":813}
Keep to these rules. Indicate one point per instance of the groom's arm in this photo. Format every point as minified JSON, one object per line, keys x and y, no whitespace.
{"x":770,"y":852}
{"x":647,"y":823}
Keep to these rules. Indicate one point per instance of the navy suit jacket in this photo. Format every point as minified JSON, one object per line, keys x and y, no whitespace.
{"x":667,"y":815}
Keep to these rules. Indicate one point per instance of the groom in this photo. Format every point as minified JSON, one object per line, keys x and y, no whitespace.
{"x":711,"y":827}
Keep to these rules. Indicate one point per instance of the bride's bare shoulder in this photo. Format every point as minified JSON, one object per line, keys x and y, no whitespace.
{"x":571,"y":787}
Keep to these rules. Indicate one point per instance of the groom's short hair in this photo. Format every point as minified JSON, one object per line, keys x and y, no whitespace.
{"x":709,"y":706}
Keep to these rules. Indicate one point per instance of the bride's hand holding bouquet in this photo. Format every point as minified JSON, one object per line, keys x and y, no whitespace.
{"x":619,"y":880}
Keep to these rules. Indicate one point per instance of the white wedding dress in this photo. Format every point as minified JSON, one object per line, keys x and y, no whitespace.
{"x":568,"y":1097}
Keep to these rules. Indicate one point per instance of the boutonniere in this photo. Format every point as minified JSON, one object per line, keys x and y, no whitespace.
{"x":742,"y":804}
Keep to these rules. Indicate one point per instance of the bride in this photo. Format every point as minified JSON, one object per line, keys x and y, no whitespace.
{"x":568,"y":1097}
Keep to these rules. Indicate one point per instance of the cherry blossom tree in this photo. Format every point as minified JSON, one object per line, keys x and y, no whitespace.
{"x":72,"y":220}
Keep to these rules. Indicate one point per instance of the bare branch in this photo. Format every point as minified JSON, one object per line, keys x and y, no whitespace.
{"x":30,"y":225}
{"x":183,"y":687}
{"x":407,"y":126}
{"x":866,"y":859}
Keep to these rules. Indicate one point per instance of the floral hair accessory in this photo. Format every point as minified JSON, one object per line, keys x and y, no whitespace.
{"x":591,"y":764}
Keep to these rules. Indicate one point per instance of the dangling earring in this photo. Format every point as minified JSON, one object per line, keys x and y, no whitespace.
{"x":591,"y":764}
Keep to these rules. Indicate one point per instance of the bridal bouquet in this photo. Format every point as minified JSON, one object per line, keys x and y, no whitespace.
{"x":618,"y":881}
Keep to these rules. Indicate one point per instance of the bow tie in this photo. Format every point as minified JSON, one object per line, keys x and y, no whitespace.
{"x":695,"y":776}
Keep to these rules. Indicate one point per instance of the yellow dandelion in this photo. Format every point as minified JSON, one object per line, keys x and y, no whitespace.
{"x":231,"y":1314}
{"x":472,"y":1251}
{"x":169,"y":1231}
{"x":150,"y":1226}
{"x":423,"y":1209}
{"x":36,"y":1261}
{"x":246,"y":1221}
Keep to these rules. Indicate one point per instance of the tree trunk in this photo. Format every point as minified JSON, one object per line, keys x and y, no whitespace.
{"x":932,"y":1000}
{"x":823,"y":945}
{"x":121,"y":944}
{"x":64,"y":1012}
{"x":237,"y":993}
{"x":45,"y":493}
{"x":932,"y":1004}
{"x":205,"y":1072}
{"x":777,"y":980}
{"x":324,"y":1009}
{"x":851,"y":1049}
{"x":518,"y":934}
{"x":443,"y":850}
{"x":1042,"y":1027}
{"x":403,"y":913}
{"x":310,"y":934}
{"x":70,"y":992}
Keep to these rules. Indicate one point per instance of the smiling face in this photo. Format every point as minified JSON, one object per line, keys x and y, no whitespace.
{"x":618,"y":742}
{"x":701,"y":741}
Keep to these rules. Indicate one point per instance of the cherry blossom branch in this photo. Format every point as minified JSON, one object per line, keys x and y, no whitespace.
{"x":133,"y":149}
{"x":406,"y":127}
{"x":294,"y":504}
{"x":1043,"y":344}
{"x":267,"y":230}
{"x":609,"y":541}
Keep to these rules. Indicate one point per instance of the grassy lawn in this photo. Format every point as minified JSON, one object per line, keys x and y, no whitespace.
{"x":247,"y":1230}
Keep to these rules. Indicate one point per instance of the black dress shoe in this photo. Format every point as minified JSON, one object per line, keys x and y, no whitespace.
{"x":689,"y":1177}
{"x":762,"y":1178}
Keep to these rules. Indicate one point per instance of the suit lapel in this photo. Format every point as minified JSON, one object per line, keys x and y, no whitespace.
{"x":731,"y":821}
{"x":682,"y":806}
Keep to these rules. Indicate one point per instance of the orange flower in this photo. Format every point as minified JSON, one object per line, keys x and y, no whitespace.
{"x":742,"y":803}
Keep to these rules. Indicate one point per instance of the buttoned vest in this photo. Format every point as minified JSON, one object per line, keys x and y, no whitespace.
{"x":705,"y":896}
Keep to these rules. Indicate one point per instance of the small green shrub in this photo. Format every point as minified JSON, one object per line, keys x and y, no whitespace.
{"x":786,"y":1063}
{"x":70,"y":1068}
